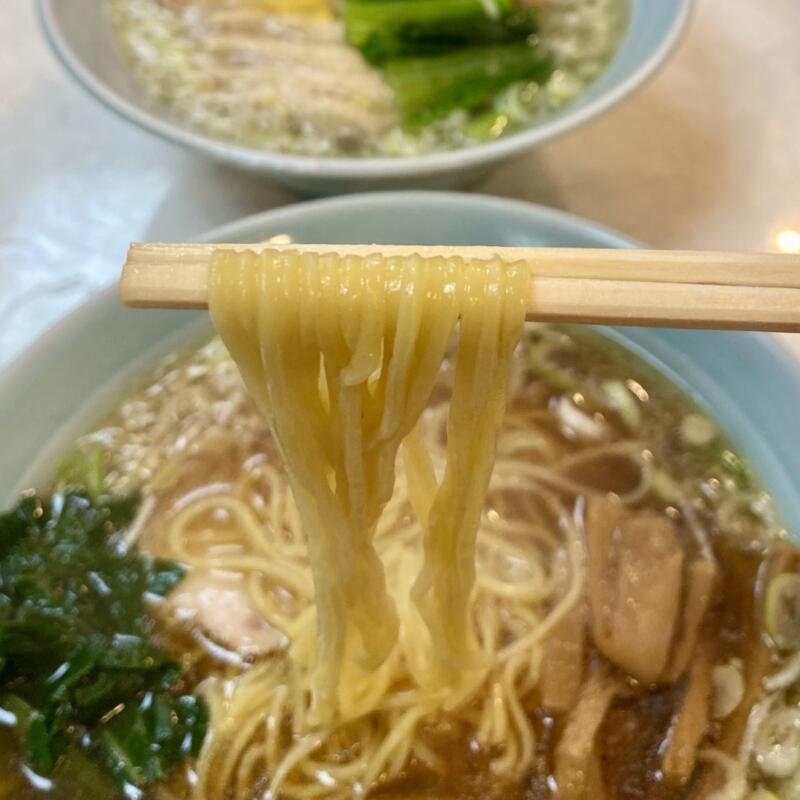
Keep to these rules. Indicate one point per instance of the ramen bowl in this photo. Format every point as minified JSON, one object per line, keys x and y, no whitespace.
{"x":76,"y":370}
{"x":81,"y":35}
{"x":599,"y":460}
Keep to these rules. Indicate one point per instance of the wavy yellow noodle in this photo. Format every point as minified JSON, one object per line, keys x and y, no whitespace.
{"x":341,"y":355}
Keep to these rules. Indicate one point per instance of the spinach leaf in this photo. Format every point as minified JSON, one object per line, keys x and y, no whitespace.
{"x":144,"y":740}
{"x":78,"y":669}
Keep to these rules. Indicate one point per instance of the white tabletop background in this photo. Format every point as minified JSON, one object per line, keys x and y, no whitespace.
{"x":707,"y":155}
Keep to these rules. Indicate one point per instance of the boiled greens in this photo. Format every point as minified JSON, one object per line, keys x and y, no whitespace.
{"x":90,"y":696}
{"x":441,"y":56}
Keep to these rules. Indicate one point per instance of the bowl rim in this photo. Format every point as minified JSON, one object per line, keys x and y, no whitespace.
{"x":338,"y":168}
{"x":21,"y":362}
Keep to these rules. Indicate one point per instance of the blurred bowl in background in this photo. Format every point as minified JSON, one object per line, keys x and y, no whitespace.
{"x":81,"y":35}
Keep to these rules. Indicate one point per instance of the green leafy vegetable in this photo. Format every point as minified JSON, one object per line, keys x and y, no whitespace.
{"x":147,"y":739}
{"x":385,"y":29}
{"x":429,"y":88}
{"x":732,"y":465}
{"x":443,"y":55}
{"x":77,"y":668}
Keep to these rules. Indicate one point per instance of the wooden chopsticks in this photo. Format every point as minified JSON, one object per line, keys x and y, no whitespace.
{"x":661,"y":288}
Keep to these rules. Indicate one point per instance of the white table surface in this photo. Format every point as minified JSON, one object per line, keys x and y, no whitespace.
{"x":706,"y":156}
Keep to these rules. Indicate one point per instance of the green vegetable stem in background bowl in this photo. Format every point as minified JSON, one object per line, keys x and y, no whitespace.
{"x":443,"y":55}
{"x":385,"y":29}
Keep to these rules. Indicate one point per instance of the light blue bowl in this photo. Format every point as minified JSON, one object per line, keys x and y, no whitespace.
{"x":80,"y":34}
{"x":67,"y":379}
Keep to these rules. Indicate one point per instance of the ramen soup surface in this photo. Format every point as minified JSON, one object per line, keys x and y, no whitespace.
{"x":365,"y":77}
{"x":672,"y":670}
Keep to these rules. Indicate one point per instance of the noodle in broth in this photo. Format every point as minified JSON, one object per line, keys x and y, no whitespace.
{"x":219,"y":500}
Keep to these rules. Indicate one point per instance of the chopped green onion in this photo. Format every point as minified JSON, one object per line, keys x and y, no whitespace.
{"x":777,"y":745}
{"x":728,"y":684}
{"x":697,"y":431}
{"x":665,"y":487}
{"x":731,"y":464}
{"x":782,"y":611}
{"x":761,"y":794}
{"x":83,"y":467}
{"x":620,"y":398}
